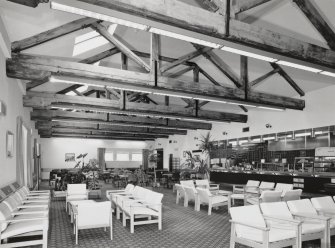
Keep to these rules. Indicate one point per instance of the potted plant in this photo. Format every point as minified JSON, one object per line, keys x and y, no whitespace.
{"x":196,"y":164}
{"x":91,"y":170}
{"x":206,"y":145}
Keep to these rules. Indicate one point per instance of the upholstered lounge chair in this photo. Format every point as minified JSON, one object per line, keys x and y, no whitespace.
{"x":249,"y":227}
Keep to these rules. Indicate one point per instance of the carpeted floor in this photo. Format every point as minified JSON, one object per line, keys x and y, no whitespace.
{"x":182,"y":228}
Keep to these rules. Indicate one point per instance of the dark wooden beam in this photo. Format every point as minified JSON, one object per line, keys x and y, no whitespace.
{"x":100,"y":132}
{"x":291,"y":82}
{"x":117,"y":43}
{"x":179,"y":72}
{"x":29,"y":3}
{"x":46,"y":125}
{"x":47,"y":100}
{"x":244,"y":5}
{"x":185,"y":58}
{"x":19,"y":66}
{"x":196,"y":20}
{"x":114,"y":119}
{"x":221,"y":65}
{"x":51,"y":34}
{"x":315,"y":17}
{"x":91,"y":136}
{"x":262,"y":78}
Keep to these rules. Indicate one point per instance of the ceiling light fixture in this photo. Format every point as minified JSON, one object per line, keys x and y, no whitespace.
{"x":302,"y":134}
{"x":298,"y":66}
{"x":248,"y":54}
{"x":269,"y":138}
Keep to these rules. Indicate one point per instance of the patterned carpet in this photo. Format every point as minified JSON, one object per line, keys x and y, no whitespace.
{"x":182,"y":228}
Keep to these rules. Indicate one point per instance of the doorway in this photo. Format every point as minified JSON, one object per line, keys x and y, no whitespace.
{"x":160,"y":159}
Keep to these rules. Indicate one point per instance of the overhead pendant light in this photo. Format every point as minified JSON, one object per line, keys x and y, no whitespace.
{"x":248,"y":54}
{"x":298,"y":66}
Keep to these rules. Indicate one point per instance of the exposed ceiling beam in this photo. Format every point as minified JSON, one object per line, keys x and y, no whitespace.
{"x":117,"y":43}
{"x":244,"y":5}
{"x":193,"y":21}
{"x":29,"y":3}
{"x":179,"y":72}
{"x":47,"y":100}
{"x":46,"y":125}
{"x":315,"y":17}
{"x":221,"y":65}
{"x":99,"y":132}
{"x":27,"y":66}
{"x":51,"y":34}
{"x":118,"y":120}
{"x":291,"y":82}
{"x":185,"y":58}
{"x":90,"y":136}
{"x":262,"y":78}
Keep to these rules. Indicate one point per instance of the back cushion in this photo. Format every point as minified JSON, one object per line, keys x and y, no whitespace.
{"x":283,"y":187}
{"x":276,"y":209}
{"x":187,"y":183}
{"x":252,"y":183}
{"x":76,"y":188}
{"x":5,"y":214}
{"x":154,"y":198}
{"x":266,"y":185}
{"x":250,"y":215}
{"x":94,"y":213}
{"x":302,"y":206}
{"x":7,"y":190}
{"x":325,"y":202}
{"x":16,"y":185}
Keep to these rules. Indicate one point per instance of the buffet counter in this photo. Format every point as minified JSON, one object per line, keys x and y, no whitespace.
{"x":307,"y":182}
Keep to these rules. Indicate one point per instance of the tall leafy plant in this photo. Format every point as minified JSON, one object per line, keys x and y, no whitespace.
{"x":206,"y":145}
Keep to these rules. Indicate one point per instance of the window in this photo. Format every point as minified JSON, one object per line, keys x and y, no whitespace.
{"x":136,"y":156}
{"x":122,"y":156}
{"x":109,"y":156}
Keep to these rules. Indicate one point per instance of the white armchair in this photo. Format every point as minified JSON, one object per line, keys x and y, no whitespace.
{"x":111,"y":194}
{"x":14,"y":225}
{"x":205,"y":184}
{"x":311,"y":229}
{"x":249,"y":227}
{"x":212,"y":200}
{"x":304,"y":209}
{"x":149,"y":205}
{"x":241,"y":189}
{"x":180,"y":193}
{"x":190,"y":195}
{"x":75,"y":192}
{"x":93,"y":215}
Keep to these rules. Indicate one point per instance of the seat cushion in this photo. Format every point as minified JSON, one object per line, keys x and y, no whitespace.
{"x":219,"y":199}
{"x":138,"y":208}
{"x":23,"y":227}
{"x":253,"y":200}
{"x":310,"y":227}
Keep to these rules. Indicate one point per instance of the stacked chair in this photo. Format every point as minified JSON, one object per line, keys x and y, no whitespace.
{"x":266,"y":192}
{"x":111,"y":195}
{"x":281,"y":224}
{"x":140,"y":203}
{"x":24,"y":213}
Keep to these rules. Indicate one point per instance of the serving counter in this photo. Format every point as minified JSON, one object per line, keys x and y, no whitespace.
{"x":307,"y":182}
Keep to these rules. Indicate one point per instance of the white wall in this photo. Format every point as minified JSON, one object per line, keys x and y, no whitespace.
{"x":319,"y":111}
{"x":53,"y":150}
{"x":11,"y":96}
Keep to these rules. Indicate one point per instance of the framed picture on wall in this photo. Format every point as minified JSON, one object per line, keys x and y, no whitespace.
{"x":69,"y":157}
{"x":9,"y":144}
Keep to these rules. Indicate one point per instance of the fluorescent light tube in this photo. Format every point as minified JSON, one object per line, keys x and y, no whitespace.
{"x":172,"y":95}
{"x":246,"y":105}
{"x":210,"y":100}
{"x":248,"y":54}
{"x":327,"y":73}
{"x":297,"y":66}
{"x":242,"y":141}
{"x":269,"y":138}
{"x":302,"y":134}
{"x":318,"y":132}
{"x":271,"y":108}
{"x":95,"y":15}
{"x":184,"y":37}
